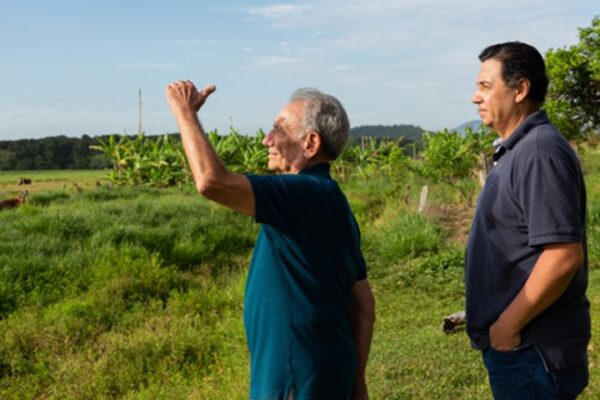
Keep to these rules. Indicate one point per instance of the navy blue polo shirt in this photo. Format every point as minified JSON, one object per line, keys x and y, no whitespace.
{"x":296,"y":310}
{"x":534,"y":195}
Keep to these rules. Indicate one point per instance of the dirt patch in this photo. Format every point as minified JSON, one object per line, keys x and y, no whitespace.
{"x":454,"y":218}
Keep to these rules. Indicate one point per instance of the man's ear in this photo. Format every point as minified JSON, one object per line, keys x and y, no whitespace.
{"x":312,"y":144}
{"x":522,"y":89}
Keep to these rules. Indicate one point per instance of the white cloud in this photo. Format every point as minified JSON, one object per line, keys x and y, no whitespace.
{"x":149,"y":65}
{"x":273,"y":61}
{"x":277,"y":10}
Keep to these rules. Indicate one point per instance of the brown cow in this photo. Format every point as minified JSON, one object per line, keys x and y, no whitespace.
{"x":14,"y":202}
{"x":24,"y":181}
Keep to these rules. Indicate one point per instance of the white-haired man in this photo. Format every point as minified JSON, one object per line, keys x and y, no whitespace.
{"x":308,"y":308}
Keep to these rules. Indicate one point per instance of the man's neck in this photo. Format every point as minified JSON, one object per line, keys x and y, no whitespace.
{"x":318,"y":159}
{"x":516,"y":120}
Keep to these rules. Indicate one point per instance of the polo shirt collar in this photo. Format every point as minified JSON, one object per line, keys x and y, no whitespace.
{"x":537,"y":118}
{"x":317,"y":169}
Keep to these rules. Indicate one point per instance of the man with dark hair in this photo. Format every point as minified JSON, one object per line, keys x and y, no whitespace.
{"x":308,"y":308}
{"x":526,"y":257}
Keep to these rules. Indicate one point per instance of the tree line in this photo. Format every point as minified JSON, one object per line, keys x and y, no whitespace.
{"x":56,"y":152}
{"x":62,"y":152}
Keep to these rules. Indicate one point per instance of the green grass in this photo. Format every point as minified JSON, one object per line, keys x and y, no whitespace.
{"x":68,"y":175}
{"x":136,"y":293}
{"x":117,"y":293}
{"x":53,"y":180}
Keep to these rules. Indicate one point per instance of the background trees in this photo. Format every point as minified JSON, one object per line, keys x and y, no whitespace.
{"x":573,"y":101}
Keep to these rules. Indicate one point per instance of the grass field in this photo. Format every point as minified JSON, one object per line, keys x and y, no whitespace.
{"x":136,"y":293}
{"x":45,"y":181}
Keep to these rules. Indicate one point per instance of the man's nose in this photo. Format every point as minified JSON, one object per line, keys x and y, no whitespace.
{"x":267,"y":139}
{"x":476,"y":98}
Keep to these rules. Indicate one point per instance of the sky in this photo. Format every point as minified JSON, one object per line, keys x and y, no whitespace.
{"x":75,"y":67}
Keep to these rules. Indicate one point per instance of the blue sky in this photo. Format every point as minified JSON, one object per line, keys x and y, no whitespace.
{"x":75,"y":67}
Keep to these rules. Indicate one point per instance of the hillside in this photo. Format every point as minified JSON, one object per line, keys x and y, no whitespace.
{"x":474,"y":124}
{"x":411,"y":133}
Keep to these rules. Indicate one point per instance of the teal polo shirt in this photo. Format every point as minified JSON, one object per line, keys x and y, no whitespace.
{"x":296,"y":309}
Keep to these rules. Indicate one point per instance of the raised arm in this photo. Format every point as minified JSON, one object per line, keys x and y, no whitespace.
{"x":362,"y":308}
{"x":211,"y":177}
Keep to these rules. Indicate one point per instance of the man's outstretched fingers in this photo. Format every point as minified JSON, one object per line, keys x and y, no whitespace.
{"x":208,"y":90}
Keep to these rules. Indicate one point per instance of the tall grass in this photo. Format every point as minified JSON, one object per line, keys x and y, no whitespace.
{"x":109,"y":294}
{"x":136,"y":293}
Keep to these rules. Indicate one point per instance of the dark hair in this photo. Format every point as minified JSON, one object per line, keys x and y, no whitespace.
{"x":520,"y":61}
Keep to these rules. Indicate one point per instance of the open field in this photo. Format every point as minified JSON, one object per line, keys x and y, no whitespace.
{"x":44,"y":181}
{"x":136,"y":293}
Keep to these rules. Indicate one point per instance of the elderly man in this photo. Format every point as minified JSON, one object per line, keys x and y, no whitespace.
{"x":526,"y":259}
{"x":308,"y":308}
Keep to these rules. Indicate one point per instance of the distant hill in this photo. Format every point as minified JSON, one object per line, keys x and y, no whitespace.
{"x":474,"y":124}
{"x":410,"y":133}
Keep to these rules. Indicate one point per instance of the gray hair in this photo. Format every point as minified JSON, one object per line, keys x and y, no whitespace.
{"x":325,"y":115}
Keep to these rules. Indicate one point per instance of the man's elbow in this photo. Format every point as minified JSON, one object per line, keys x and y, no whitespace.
{"x":574,"y":258}
{"x":371,"y":307}
{"x":206,"y":186}
{"x":363,"y":302}
{"x":367,"y":306}
{"x":577,"y":258}
{"x":370,"y":317}
{"x":570,"y":256}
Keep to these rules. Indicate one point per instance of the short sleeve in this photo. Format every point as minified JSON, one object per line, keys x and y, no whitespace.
{"x":283,"y":201}
{"x":550,"y":191}
{"x":362,"y":268}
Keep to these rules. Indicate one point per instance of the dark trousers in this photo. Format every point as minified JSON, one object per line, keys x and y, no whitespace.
{"x":522,"y":374}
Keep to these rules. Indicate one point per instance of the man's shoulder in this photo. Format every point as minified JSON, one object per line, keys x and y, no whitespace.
{"x":294,"y":178}
{"x":298,"y":193}
{"x":544,"y":140}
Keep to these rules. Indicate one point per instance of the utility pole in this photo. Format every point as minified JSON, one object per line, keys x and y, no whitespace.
{"x":139,"y":111}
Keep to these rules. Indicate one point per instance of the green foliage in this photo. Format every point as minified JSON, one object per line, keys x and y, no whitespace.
{"x":456,"y":159}
{"x":44,"y":199}
{"x":573,"y":101}
{"x":371,"y":157}
{"x":447,"y":156}
{"x":7,"y":159}
{"x":55,"y":152}
{"x":162,"y":162}
{"x":441,"y":262}
{"x":140,"y":160}
{"x":402,"y":235}
{"x":242,"y":154}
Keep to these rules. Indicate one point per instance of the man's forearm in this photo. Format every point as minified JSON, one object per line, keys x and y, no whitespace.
{"x":363,"y":333}
{"x":212,"y":179}
{"x":363,"y":318}
{"x":202,"y":158}
{"x":548,"y":280}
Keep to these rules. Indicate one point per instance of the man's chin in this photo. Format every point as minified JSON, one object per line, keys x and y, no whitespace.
{"x":486,"y":123}
{"x":273,"y":167}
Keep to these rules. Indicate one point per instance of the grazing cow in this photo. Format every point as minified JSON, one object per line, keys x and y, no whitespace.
{"x":24,"y":181}
{"x":14,"y":202}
